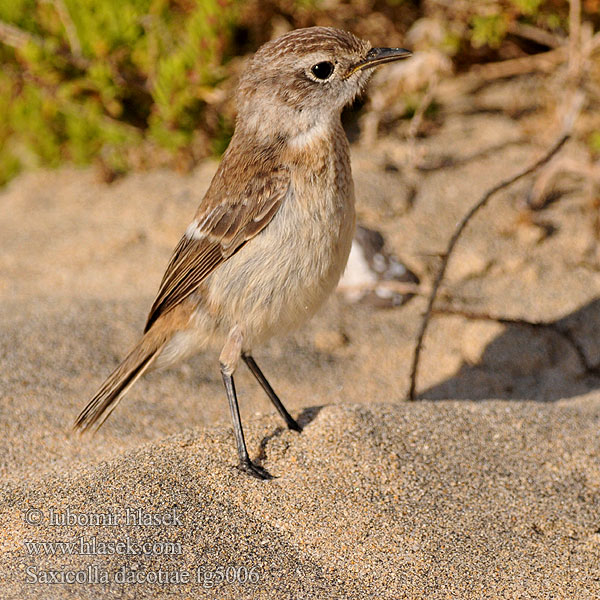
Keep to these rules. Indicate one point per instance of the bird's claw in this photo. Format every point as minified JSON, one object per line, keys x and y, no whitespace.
{"x":254,"y":470}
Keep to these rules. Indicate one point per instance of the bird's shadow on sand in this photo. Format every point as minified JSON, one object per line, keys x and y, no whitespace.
{"x":306,"y":416}
{"x":545,"y":362}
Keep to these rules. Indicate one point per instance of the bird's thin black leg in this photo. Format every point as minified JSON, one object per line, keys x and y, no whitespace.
{"x":246,"y":464}
{"x":290,"y":421}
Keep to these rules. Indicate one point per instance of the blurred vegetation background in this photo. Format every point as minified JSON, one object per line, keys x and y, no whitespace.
{"x":140,"y":83}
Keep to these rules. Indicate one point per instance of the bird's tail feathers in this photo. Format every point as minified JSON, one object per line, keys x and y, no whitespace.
{"x":117,"y":385}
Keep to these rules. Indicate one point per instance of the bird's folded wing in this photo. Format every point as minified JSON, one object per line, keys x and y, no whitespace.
{"x":223,"y":224}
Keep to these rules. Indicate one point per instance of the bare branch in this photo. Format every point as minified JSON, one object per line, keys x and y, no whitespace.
{"x":544,"y":62}
{"x":15,"y":37}
{"x":417,"y":119}
{"x":575,"y":57}
{"x":70,"y":29}
{"x":535,"y":34}
{"x":399,"y":287}
{"x":452,"y":243}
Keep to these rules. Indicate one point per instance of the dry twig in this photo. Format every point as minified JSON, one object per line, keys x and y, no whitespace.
{"x":575,"y":50}
{"x":452,"y":243}
{"x":535,"y":34}
{"x":399,"y":287}
{"x":417,"y":120}
{"x":544,"y":62}
{"x":69,"y":25}
{"x":15,"y":37}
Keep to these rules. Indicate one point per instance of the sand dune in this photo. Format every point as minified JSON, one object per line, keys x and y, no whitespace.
{"x":455,"y":499}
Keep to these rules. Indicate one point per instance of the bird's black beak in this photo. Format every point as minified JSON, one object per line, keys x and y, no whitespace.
{"x":378,"y":56}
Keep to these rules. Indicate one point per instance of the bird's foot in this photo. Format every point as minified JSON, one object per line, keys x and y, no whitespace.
{"x":294,"y":425}
{"x":247,"y":466}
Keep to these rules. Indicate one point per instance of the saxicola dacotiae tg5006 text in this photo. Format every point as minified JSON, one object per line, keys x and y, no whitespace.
{"x":272,"y":235}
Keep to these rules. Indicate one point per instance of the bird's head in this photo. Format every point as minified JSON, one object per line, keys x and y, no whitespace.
{"x":307,"y":76}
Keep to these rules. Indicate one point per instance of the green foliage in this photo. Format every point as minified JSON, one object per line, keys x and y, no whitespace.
{"x":223,"y":135}
{"x":133,"y":81}
{"x":594,"y":142}
{"x":527,"y":7}
{"x":488,"y":30}
{"x":105,"y":76}
{"x":490,"y":21}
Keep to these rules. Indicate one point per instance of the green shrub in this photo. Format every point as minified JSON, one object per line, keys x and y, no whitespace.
{"x":91,"y":77}
{"x":131,"y":82}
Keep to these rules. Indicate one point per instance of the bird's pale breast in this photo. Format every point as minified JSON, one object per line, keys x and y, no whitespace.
{"x":282,"y":276}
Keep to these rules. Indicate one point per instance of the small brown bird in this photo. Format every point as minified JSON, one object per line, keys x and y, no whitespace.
{"x":271,"y":237}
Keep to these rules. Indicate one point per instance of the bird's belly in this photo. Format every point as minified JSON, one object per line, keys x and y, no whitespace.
{"x":280,"y":278}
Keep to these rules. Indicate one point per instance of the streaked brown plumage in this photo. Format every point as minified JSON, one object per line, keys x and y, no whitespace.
{"x":272,"y":235}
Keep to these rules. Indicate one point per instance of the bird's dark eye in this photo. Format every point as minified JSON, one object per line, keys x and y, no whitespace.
{"x":322,"y":70}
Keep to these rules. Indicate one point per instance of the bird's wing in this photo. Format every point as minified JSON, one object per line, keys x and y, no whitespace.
{"x":223,"y":224}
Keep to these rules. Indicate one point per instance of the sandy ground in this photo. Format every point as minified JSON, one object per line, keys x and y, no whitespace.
{"x":489,"y":487}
